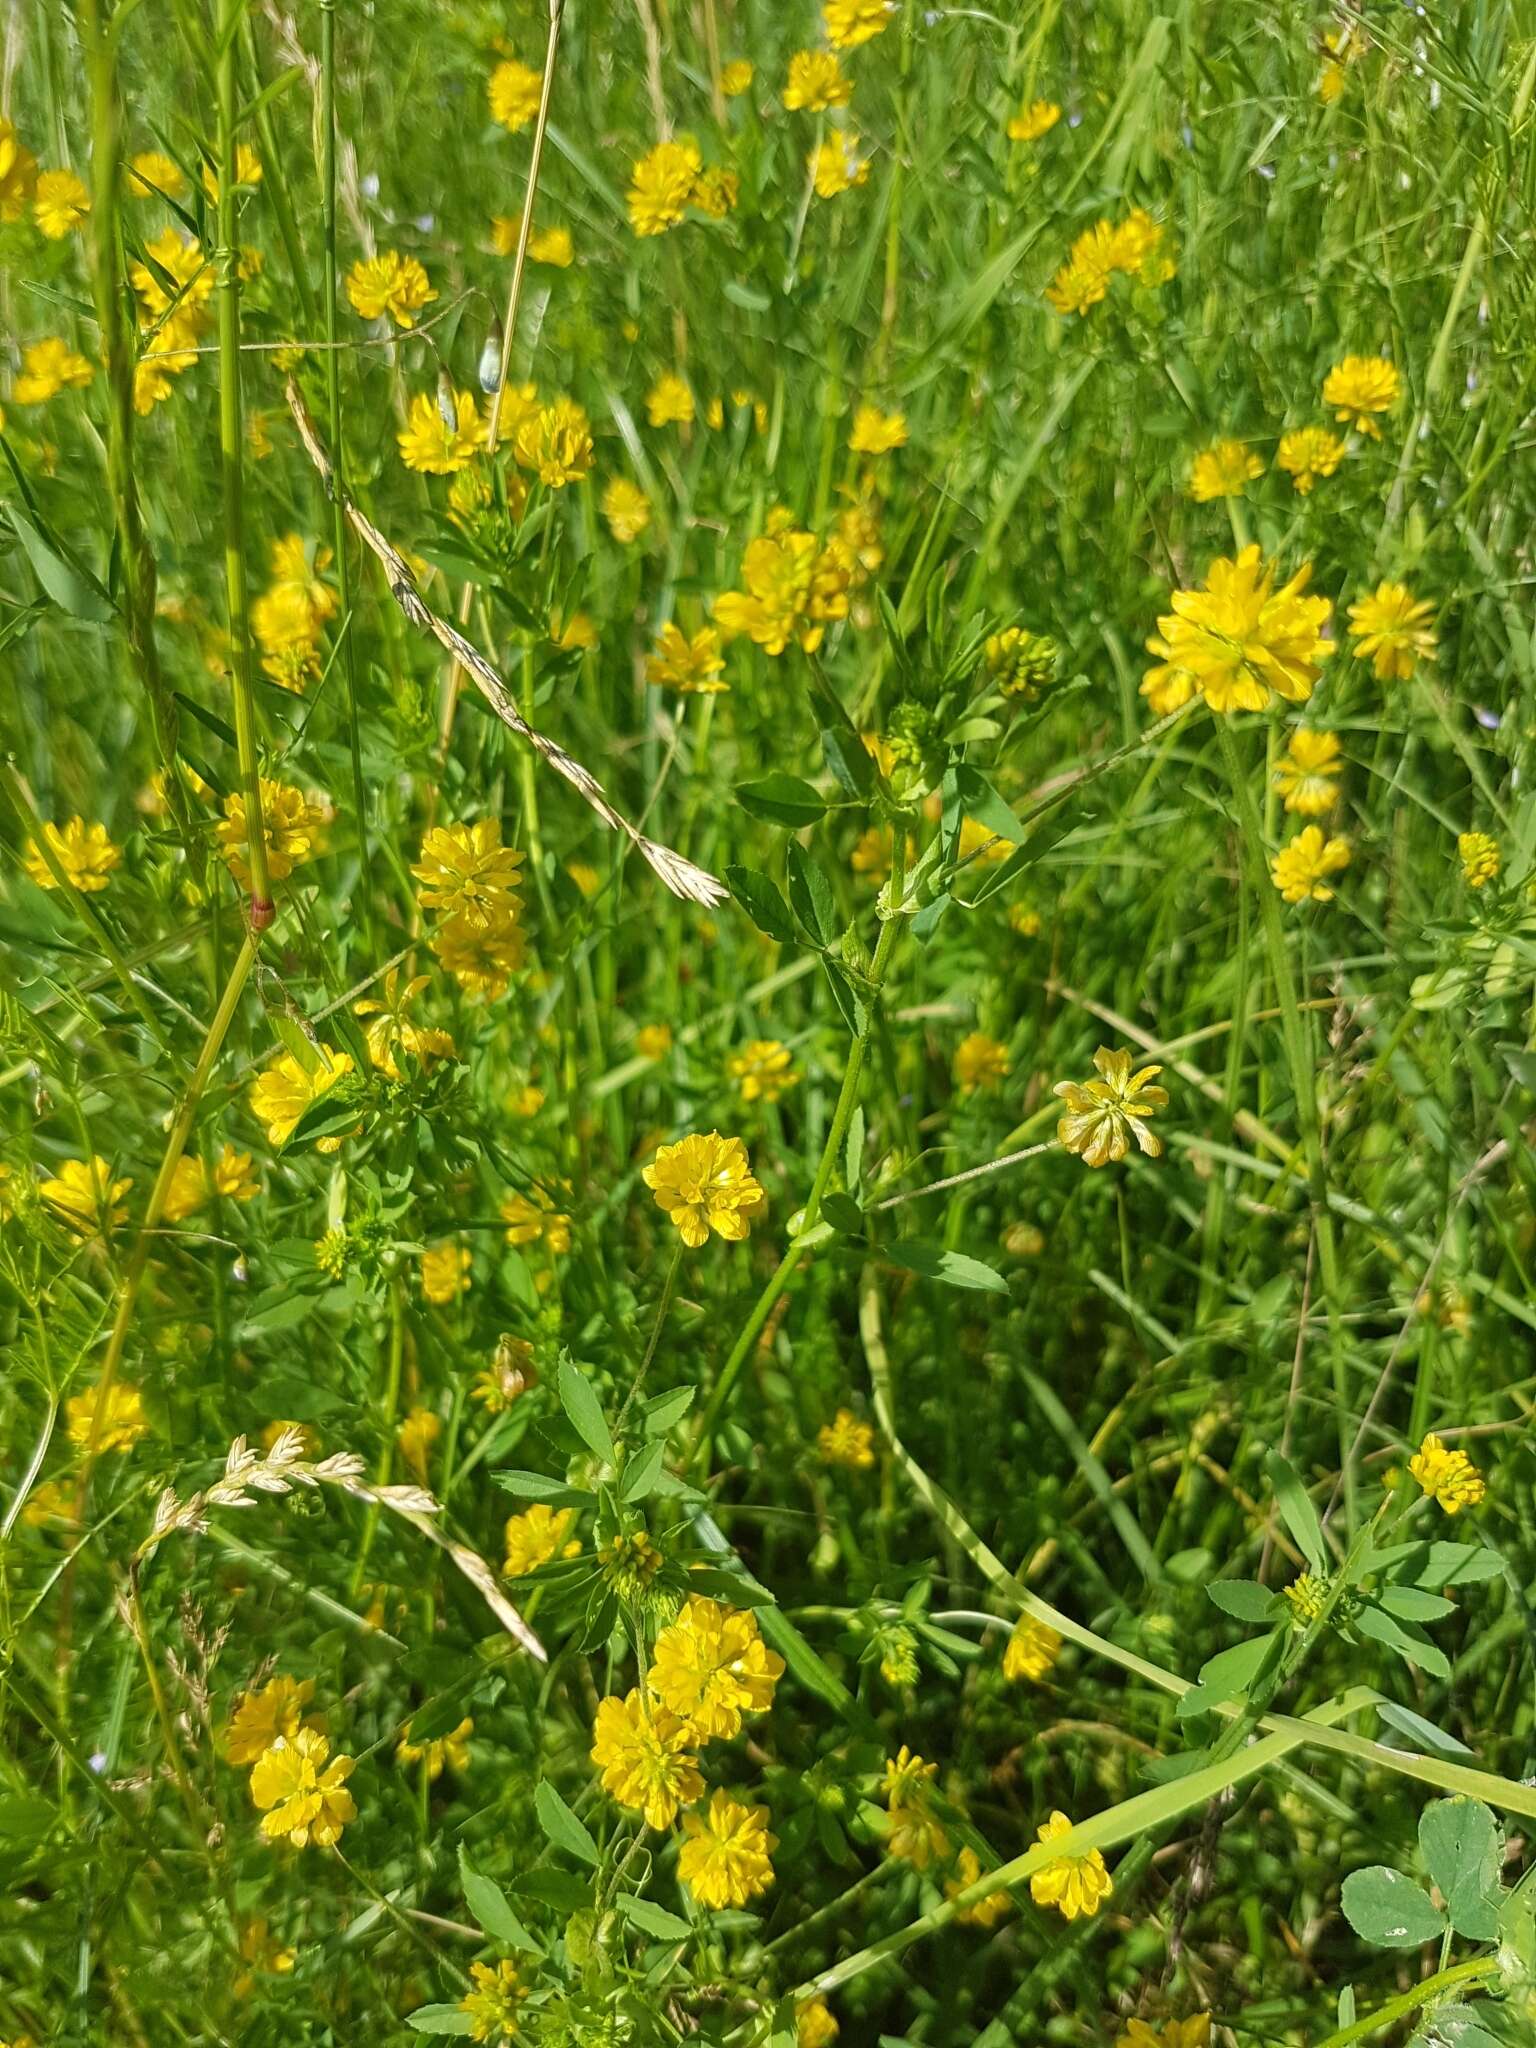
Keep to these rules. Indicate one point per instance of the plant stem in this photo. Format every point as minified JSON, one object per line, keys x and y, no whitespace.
{"x":1398,"y":2008}
{"x":663,"y":1307}
{"x":231,"y":463}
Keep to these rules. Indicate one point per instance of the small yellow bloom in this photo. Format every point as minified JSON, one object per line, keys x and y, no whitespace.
{"x":1301,"y":868}
{"x":466,"y":872}
{"x":1360,"y":387}
{"x":1306,"y":453}
{"x":482,"y":954}
{"x":445,"y":1273}
{"x":763,"y":1070}
{"x":47,"y":368}
{"x":494,"y":2002}
{"x":85,"y":1198}
{"x":980,"y":1062}
{"x":1032,"y":1650}
{"x":661,"y":185}
{"x":653,"y":1041}
{"x":536,"y":1221}
{"x":1032,"y":121}
{"x":537,"y":1535}
{"x":725,"y":1859}
{"x":303,"y":1797}
{"x":18,"y":173}
{"x":848,"y":23}
{"x":876,"y":432}
{"x":815,"y":2025}
{"x":85,"y":853}
{"x":704,"y":1183}
{"x":428,"y":443}
{"x":644,"y":1754}
{"x":711,"y":1666}
{"x":451,"y":1749}
{"x":556,"y":444}
{"x":257,"y":1719}
{"x":514,"y":90}
{"x":292,"y":823}
{"x":415,"y":1437}
{"x":846,"y":1441}
{"x":123,"y":1420}
{"x":626,"y":508}
{"x":1393,"y":630}
{"x":836,"y":165}
{"x":1306,"y":1596}
{"x":61,"y":204}
{"x":552,"y":246}
{"x":816,"y":82}
{"x":1195,"y":2032}
{"x":1480,"y":859}
{"x":987,"y":1911}
{"x":1072,"y":1884}
{"x":152,"y":175}
{"x":282,"y":1092}
{"x":577,"y":631}
{"x":1447,"y":1476}
{"x":1103,"y":1116}
{"x":669,"y":402}
{"x":1306,"y":772}
{"x":390,"y":1031}
{"x":247,"y":171}
{"x":735,"y":77}
{"x":389,"y":283}
{"x":694,"y":666}
{"x":1239,"y":640}
{"x":1222,"y":470}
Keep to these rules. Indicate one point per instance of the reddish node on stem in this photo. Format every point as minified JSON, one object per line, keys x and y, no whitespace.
{"x":262,"y":913}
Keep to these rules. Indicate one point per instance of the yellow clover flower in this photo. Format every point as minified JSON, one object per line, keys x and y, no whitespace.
{"x":846,"y":1441}
{"x":1305,"y":773}
{"x":1447,"y":1477}
{"x":704,"y":1183}
{"x":493,"y":2004}
{"x":1032,"y":1650}
{"x":1222,"y":470}
{"x":725,"y":1859}
{"x":1393,"y":630}
{"x":1360,"y":387}
{"x":60,"y":204}
{"x":1103,"y":1116}
{"x":258,"y":1718}
{"x":85,"y":853}
{"x":1239,"y":640}
{"x":302,"y":1796}
{"x":84,"y":1197}
{"x":643,"y":1753}
{"x":1480,"y":859}
{"x":711,"y":1666}
{"x":816,"y":82}
{"x":1300,"y":870}
{"x":122,"y":1421}
{"x":1074,"y":1885}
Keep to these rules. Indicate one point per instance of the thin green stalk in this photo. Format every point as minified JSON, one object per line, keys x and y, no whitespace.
{"x":363,"y":893}
{"x":231,"y":462}
{"x":1295,"y":1029}
{"x":1461,"y":1974}
{"x":663,"y":1308}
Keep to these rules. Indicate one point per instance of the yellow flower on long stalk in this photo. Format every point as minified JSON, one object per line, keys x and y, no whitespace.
{"x":644,"y":1754}
{"x":848,"y":23}
{"x":816,"y":82}
{"x":258,"y":1718}
{"x":763,"y":1071}
{"x":1392,"y":630}
{"x":1075,"y":1885}
{"x":711,"y":1666}
{"x":439,"y":445}
{"x":514,"y":90}
{"x":556,"y":444}
{"x":704,"y":1182}
{"x":84,"y":1197}
{"x":389,"y":283}
{"x":661,"y":185}
{"x":301,"y":1790}
{"x":122,"y":1423}
{"x":86,"y":853}
{"x":693,"y":666}
{"x":1104,"y":1115}
{"x":61,"y":204}
{"x":1300,"y":870}
{"x":466,"y":872}
{"x":47,"y":368}
{"x":1239,"y":640}
{"x":1306,"y":773}
{"x":1361,"y":387}
{"x":1306,"y":453}
{"x":1222,"y":470}
{"x":1032,"y":121}
{"x":282,"y":1092}
{"x":725,"y":1859}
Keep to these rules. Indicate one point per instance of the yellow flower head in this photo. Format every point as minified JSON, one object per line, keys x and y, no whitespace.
{"x":792,"y":587}
{"x":1360,"y":387}
{"x":816,"y":82}
{"x":987,"y":1911}
{"x":415,"y":1437}
{"x":85,"y":853}
{"x":389,"y":283}
{"x":1195,"y":2032}
{"x":1033,"y":120}
{"x":152,"y":175}
{"x":481,"y":954}
{"x":282,"y":1092}
{"x":653,"y":1041}
{"x":1032,"y":1650}
{"x":1072,"y":1884}
{"x":1103,"y":1116}
{"x":1300,"y":870}
{"x":302,"y":1797}
{"x":848,"y":23}
{"x":85,"y":1198}
{"x":669,"y":402}
{"x":980,"y":1062}
{"x":445,"y":1273}
{"x":514,"y":92}
{"x":1239,"y":640}
{"x":643,"y":1753}
{"x":704,"y":1182}
{"x":661,"y":185}
{"x":711,"y":1666}
{"x":47,"y":368}
{"x":876,"y":432}
{"x":626,"y":508}
{"x":294,"y":826}
{"x":815,"y":2025}
{"x":725,"y":1859}
{"x":1480,"y":859}
{"x":257,"y":1719}
{"x":556,"y":444}
{"x":1392,"y":629}
{"x":1306,"y":773}
{"x":18,"y":173}
{"x":389,"y":1030}
{"x":735,"y":78}
{"x":694,"y":666}
{"x":763,"y":1070}
{"x":438,"y":1750}
{"x":61,"y":204}
{"x":1446,"y":1476}
{"x":1307,"y":1597}
{"x":1222,"y":470}
{"x":836,"y":166}
{"x":465,"y":872}
{"x":537,"y":1535}
{"x":429,"y":443}
{"x":1306,"y":453}
{"x":122,"y":1423}
{"x":247,"y":172}
{"x":846,"y":1441}
{"x":493,"y":2004}
{"x":536,"y":1221}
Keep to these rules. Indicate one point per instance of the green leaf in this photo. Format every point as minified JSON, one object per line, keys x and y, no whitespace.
{"x":585,"y":1410}
{"x":763,"y":903}
{"x":560,"y":1825}
{"x":1229,"y":1674}
{"x":640,"y":1476}
{"x":1409,"y":1642}
{"x":440,"y":2019}
{"x":1420,"y":1731}
{"x":666,"y":1409}
{"x":1408,"y":1603}
{"x":1463,"y":1852}
{"x":1389,"y":1910}
{"x":539,"y":1486}
{"x":781,"y":799}
{"x":929,"y":1258}
{"x":843,"y":1214}
{"x":557,"y":1888}
{"x":652,"y":1919}
{"x":71,"y":589}
{"x":1434,"y":1565}
{"x":25,"y":1819}
{"x":488,"y":1902}
{"x":849,"y":760}
{"x":979,"y":800}
{"x":810,"y":896}
{"x":1244,"y":1598}
{"x":1297,"y":1511}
